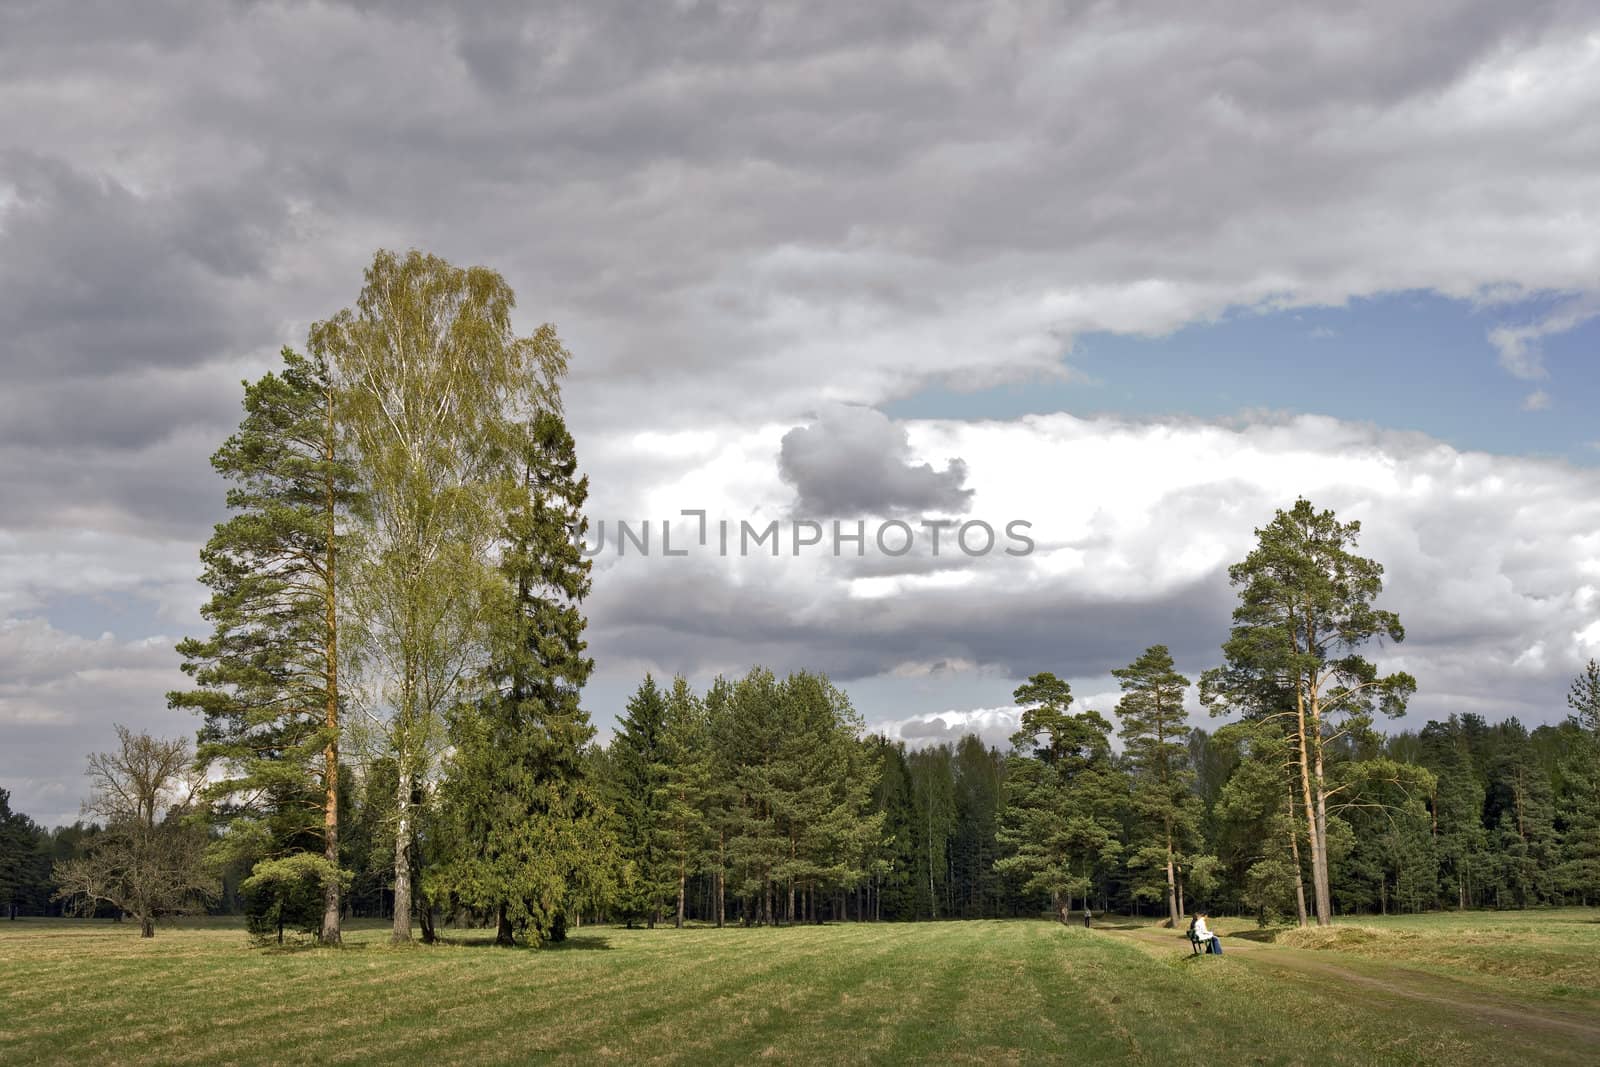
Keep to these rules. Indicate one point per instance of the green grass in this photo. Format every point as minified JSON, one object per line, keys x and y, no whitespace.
{"x":991,"y":992}
{"x":1535,"y":952}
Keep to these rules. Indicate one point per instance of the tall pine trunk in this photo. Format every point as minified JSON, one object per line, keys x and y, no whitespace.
{"x":1314,"y":838}
{"x":1172,"y":881}
{"x":1299,"y":878}
{"x":1320,"y":874}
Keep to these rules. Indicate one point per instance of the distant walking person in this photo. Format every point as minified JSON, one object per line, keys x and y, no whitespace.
{"x":1086,"y":916}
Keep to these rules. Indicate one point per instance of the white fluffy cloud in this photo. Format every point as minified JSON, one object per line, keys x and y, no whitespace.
{"x":1493,"y":562}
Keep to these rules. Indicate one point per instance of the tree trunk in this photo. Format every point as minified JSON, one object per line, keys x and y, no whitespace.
{"x":1172,"y":882}
{"x":330,"y":754}
{"x":1299,"y":879}
{"x":682,"y":876}
{"x":147,"y":926}
{"x":402,"y":858}
{"x":722,"y":898}
{"x":1324,"y":895}
{"x":502,"y":933}
{"x":1313,"y":838}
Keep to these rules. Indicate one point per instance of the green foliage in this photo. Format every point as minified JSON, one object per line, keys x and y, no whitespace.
{"x":1154,"y":733}
{"x":266,"y":678}
{"x":524,"y":838}
{"x":287,"y":893}
{"x":636,"y":793}
{"x":24,"y":863}
{"x":1064,"y":798}
{"x":1305,"y":613}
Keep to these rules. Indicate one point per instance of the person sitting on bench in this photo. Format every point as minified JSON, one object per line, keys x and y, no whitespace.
{"x":1201,"y":937}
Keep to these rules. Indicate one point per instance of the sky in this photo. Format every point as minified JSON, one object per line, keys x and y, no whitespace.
{"x":1134,"y":274}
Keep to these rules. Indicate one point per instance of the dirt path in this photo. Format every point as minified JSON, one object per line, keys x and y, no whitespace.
{"x":1472,"y":1003}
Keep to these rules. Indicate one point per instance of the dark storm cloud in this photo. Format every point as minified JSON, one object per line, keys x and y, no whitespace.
{"x":1015,"y":628}
{"x":97,"y":279}
{"x":739,"y":207}
{"x":857,"y":461}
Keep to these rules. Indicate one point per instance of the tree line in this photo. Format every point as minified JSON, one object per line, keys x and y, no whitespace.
{"x":391,"y":720}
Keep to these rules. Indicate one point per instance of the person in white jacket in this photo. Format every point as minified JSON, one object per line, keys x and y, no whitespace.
{"x":1203,"y":934}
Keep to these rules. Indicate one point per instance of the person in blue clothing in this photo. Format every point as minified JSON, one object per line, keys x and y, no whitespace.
{"x":1203,"y":934}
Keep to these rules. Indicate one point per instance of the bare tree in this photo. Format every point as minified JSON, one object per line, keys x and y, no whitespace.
{"x":150,"y":861}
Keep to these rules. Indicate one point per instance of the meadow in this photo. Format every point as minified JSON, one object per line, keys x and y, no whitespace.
{"x":1472,"y":988}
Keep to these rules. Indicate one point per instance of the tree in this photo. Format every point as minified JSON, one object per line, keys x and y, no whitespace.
{"x":933,"y":823}
{"x":288,"y":892}
{"x":268,"y":676}
{"x":437,"y":390}
{"x":1153,"y":733}
{"x":24,"y":860}
{"x":636,"y":793}
{"x":1255,"y":828}
{"x":1063,"y":797}
{"x":979,"y":781}
{"x":528,"y":837}
{"x":150,"y":860}
{"x":1579,"y":871}
{"x":1305,"y":610}
{"x":684,"y":793}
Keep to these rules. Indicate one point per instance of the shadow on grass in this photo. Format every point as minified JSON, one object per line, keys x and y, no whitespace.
{"x":579,"y":943}
{"x":1265,"y":936}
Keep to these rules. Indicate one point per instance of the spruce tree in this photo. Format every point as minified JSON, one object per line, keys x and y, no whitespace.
{"x":526,"y":835}
{"x":1579,"y":871}
{"x":638,"y":772}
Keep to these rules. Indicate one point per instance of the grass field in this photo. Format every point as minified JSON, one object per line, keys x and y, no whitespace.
{"x":1438,"y":989}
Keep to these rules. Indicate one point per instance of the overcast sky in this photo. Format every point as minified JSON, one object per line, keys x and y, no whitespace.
{"x":1134,"y":274}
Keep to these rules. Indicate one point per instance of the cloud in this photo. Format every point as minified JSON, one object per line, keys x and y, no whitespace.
{"x":1519,"y":345}
{"x":59,"y":695}
{"x":856,"y":461}
{"x":1486,"y":557}
{"x":993,"y":726}
{"x":741,"y":214}
{"x":1538,"y":400}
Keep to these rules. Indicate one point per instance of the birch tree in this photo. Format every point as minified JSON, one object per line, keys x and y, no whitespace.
{"x":437,"y":387}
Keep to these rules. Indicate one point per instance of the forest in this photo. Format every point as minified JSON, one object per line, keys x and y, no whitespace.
{"x":391,"y":722}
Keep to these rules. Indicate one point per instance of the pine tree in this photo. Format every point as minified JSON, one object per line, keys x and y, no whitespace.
{"x":1064,"y":797}
{"x":268,"y":676}
{"x":1305,"y":611}
{"x":1153,"y":733}
{"x":684,"y":794}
